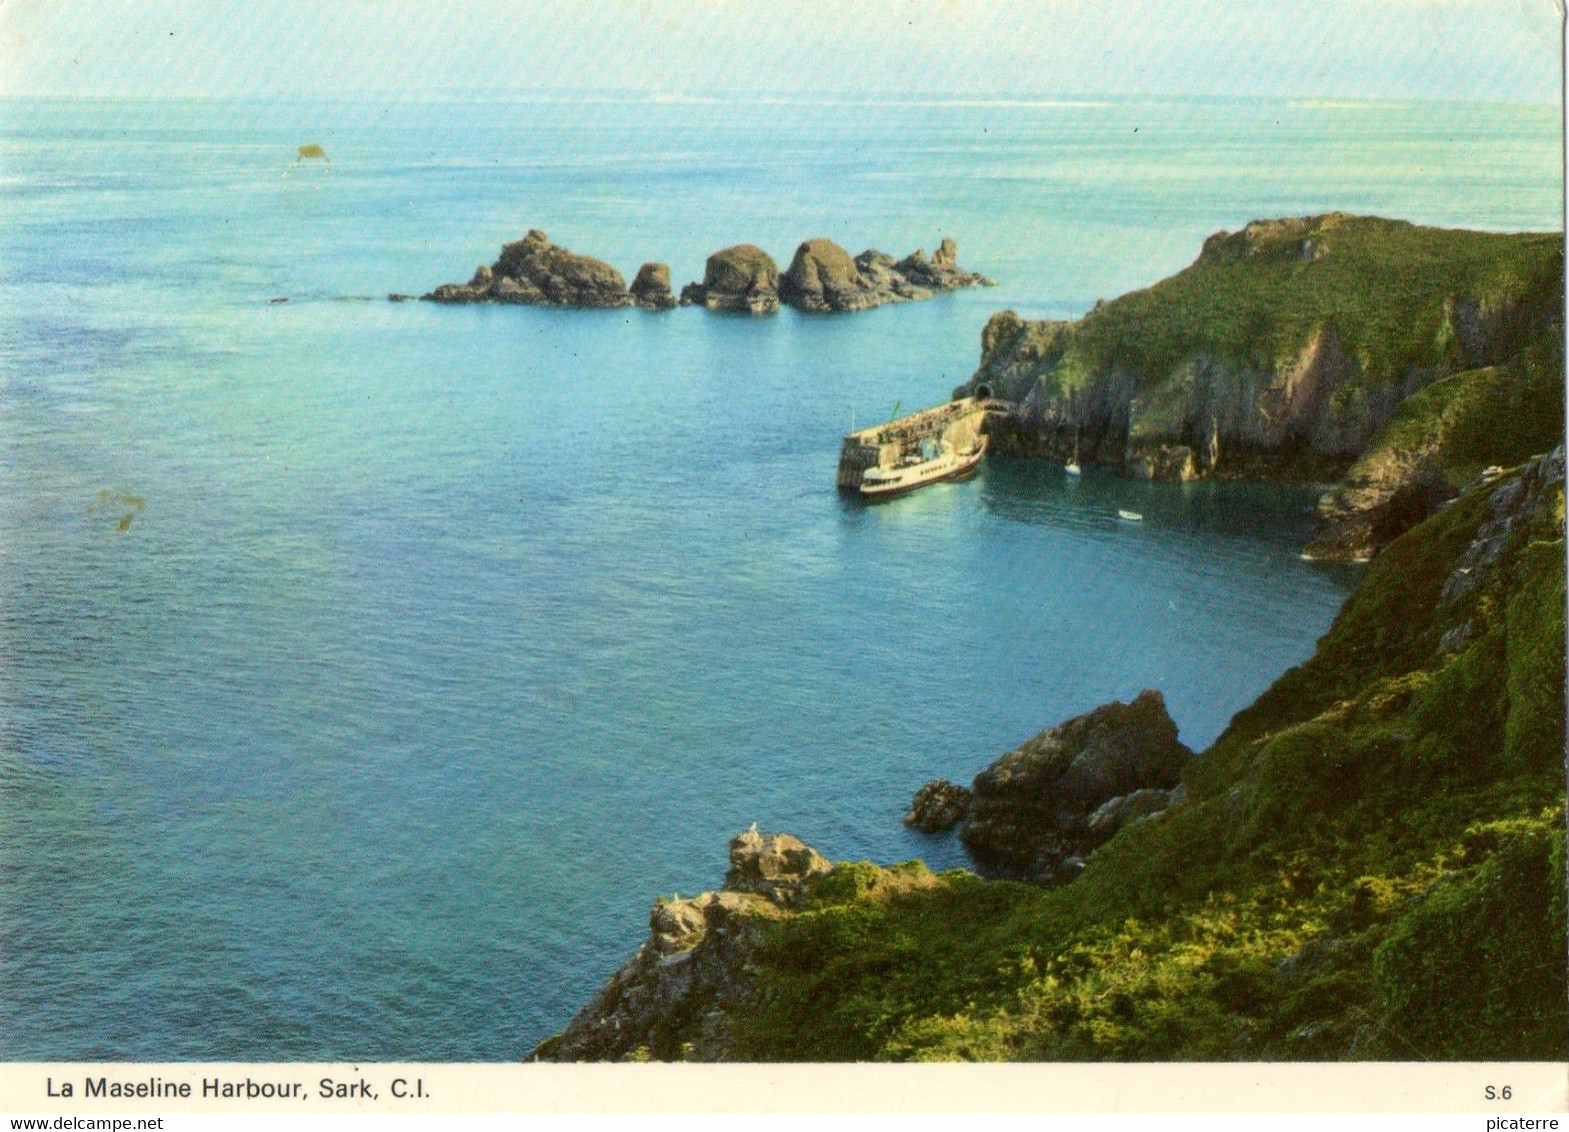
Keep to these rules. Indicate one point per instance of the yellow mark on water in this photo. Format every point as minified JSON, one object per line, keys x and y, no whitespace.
{"x":118,"y":501}
{"x":308,"y":153}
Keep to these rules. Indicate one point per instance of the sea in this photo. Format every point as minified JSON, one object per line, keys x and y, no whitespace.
{"x":367,"y":669}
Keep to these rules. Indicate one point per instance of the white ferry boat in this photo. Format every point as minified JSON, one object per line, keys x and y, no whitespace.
{"x":937,"y":462}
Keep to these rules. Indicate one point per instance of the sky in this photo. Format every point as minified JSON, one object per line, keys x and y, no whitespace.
{"x":1495,"y":50}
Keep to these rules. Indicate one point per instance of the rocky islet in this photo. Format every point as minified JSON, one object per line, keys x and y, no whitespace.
{"x":742,"y":278}
{"x":823,"y":278}
{"x":535,"y":272}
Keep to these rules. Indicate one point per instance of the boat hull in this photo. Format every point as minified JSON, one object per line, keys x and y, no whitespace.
{"x":963,"y":469}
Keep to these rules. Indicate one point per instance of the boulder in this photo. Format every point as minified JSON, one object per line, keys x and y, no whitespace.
{"x":692,"y":967}
{"x":739,"y":278}
{"x":651,"y":287}
{"x":1037,"y":807}
{"x":777,"y":866}
{"x":937,"y":806}
{"x":1125,"y":809}
{"x":823,"y":277}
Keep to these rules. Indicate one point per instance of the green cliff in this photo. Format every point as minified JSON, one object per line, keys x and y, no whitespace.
{"x":1287,"y":349}
{"x":1368,"y":863}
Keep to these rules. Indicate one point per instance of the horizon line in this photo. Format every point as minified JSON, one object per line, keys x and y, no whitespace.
{"x":1023,"y":98}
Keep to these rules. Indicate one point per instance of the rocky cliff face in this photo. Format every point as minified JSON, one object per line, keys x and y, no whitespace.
{"x":533,"y":271}
{"x":1039,"y":811}
{"x":651,"y":288}
{"x":1285,"y":349}
{"x":674,"y":999}
{"x":823,"y":277}
{"x":1440,"y":439}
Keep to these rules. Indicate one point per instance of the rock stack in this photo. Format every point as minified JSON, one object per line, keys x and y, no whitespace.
{"x":740,"y":278}
{"x":534,"y":272}
{"x":822,"y":277}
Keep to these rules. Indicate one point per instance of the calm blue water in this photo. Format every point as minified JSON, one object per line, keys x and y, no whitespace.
{"x":442,"y":640}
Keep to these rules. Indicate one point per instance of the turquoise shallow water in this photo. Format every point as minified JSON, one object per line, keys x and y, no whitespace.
{"x":442,"y":640}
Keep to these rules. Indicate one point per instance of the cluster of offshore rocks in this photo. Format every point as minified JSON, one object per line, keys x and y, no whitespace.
{"x":822,"y":277}
{"x":1041,"y":810}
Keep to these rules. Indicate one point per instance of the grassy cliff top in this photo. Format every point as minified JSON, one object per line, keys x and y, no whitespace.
{"x":1385,"y":286}
{"x":1396,"y":295}
{"x":1369,"y":862}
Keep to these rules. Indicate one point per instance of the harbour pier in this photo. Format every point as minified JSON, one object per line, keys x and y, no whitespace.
{"x":885,"y":445}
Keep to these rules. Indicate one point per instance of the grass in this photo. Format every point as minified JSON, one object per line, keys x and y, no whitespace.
{"x":1382,"y":285}
{"x":1370,"y":864}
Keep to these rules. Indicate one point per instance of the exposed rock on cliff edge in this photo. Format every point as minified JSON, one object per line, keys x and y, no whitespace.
{"x":672,"y":999}
{"x":651,"y":288}
{"x":1042,"y":809}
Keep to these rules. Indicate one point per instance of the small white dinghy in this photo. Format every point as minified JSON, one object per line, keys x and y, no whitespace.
{"x":1130,"y":516}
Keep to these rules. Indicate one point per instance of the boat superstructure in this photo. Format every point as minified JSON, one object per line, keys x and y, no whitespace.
{"x":929,"y":446}
{"x":935,"y":461}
